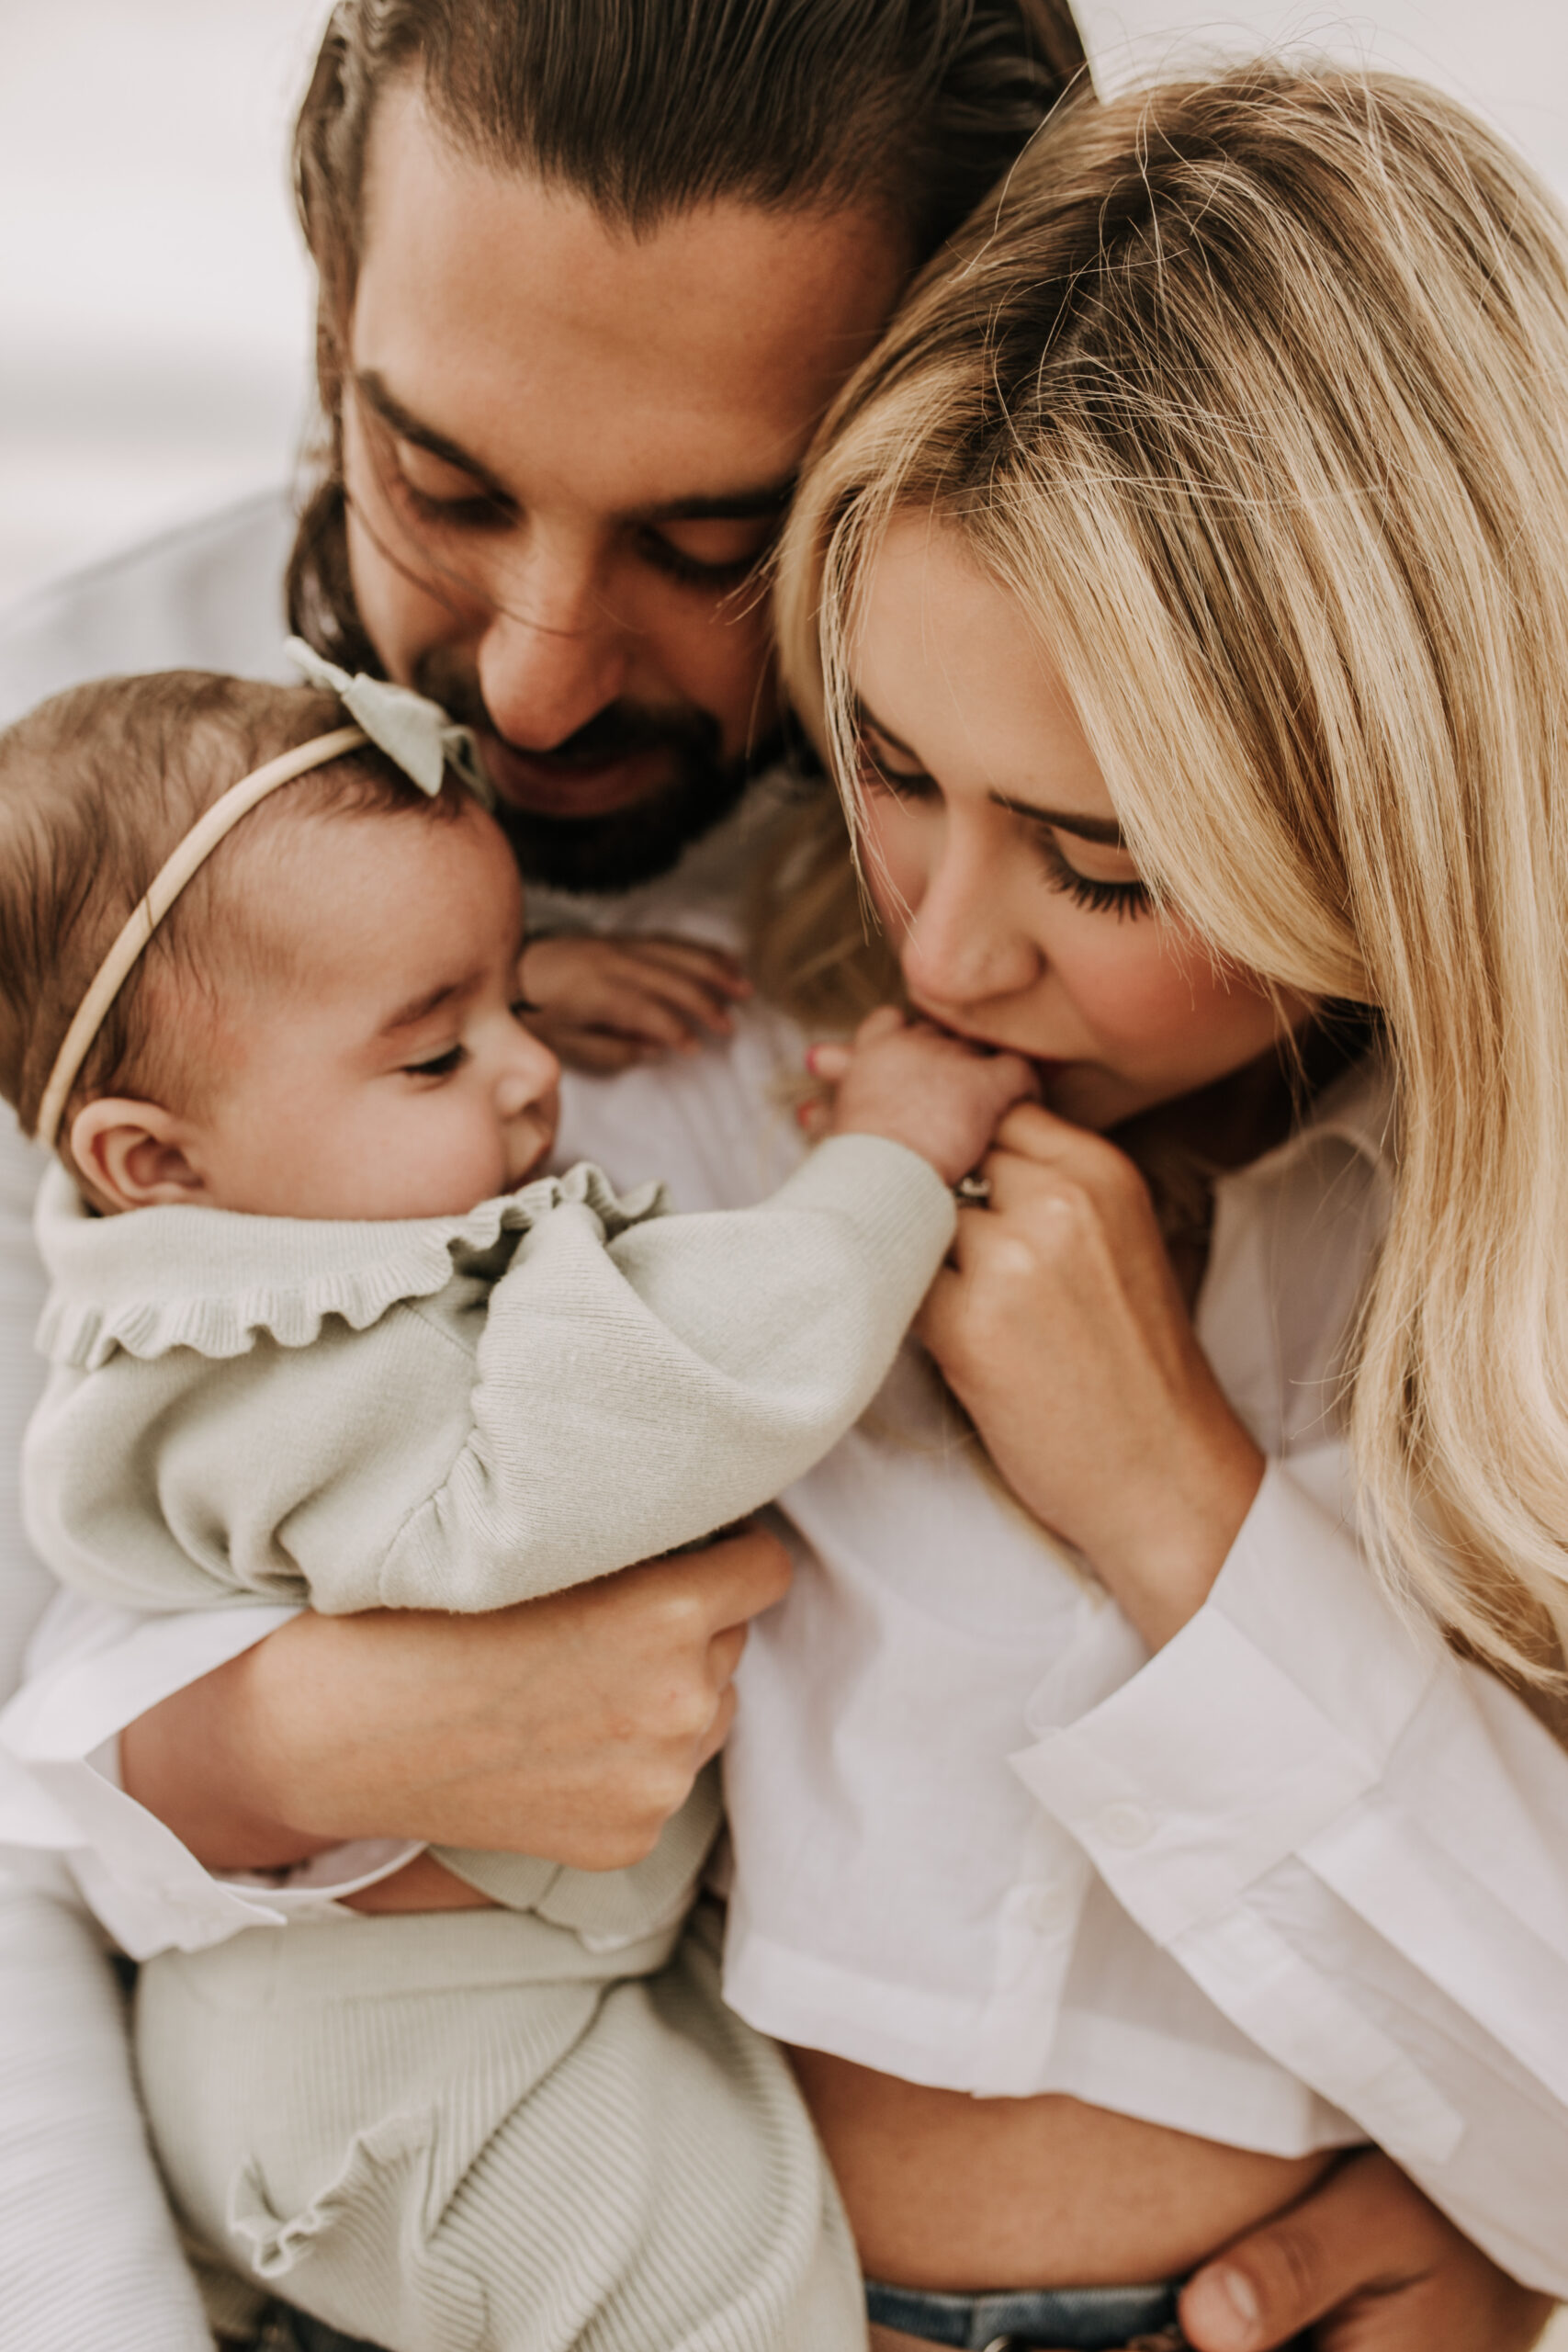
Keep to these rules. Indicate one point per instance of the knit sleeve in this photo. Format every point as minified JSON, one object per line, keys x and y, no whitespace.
{"x":637,"y":1395}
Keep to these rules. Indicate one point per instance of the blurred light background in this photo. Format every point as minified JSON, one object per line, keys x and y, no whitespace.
{"x":155,"y":305}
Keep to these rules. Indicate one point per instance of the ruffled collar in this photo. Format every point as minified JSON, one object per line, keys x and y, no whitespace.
{"x":164,"y":1278}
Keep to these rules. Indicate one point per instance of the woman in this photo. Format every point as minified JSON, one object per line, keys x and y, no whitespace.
{"x":1180,"y":590}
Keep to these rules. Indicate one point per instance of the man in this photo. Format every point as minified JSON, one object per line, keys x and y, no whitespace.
{"x":590,"y":271}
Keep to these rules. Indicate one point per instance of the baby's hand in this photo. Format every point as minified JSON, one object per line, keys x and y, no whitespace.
{"x":919,"y":1086}
{"x":603,"y":1001}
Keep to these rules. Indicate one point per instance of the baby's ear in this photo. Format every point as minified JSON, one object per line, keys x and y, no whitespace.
{"x":133,"y":1154}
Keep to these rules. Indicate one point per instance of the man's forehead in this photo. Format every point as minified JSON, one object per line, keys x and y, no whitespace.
{"x":501,"y":309}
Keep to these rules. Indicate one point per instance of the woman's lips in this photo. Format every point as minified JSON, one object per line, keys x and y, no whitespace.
{"x":545,"y":786}
{"x":1045,"y":1065}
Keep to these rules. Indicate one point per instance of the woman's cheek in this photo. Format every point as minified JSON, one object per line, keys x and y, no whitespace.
{"x":1162,"y":1007}
{"x":894,"y":869}
{"x":1129,"y":987}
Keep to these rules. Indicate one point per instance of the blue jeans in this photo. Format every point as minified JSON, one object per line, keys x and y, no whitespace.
{"x":1088,"y":2319}
{"x":1078,"y":2319}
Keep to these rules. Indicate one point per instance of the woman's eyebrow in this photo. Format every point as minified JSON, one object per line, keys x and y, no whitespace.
{"x":373,"y":391}
{"x":866,"y":717}
{"x":1103,"y":830}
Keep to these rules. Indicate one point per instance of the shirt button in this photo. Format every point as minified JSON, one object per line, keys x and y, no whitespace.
{"x":1043,"y":1908}
{"x":1124,"y":1825}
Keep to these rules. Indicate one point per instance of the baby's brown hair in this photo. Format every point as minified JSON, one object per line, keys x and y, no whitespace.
{"x":98,"y":787}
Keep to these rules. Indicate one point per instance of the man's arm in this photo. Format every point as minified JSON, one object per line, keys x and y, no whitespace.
{"x":570,"y":1727}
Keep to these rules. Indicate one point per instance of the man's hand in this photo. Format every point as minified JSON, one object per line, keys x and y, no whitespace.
{"x":570,"y":1727}
{"x":1370,"y":2266}
{"x":602,"y":1002}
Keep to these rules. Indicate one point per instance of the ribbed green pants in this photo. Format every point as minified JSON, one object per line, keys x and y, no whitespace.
{"x":400,"y":2125}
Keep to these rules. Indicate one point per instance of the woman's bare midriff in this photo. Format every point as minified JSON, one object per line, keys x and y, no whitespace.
{"x":951,"y":2192}
{"x":946,"y":2191}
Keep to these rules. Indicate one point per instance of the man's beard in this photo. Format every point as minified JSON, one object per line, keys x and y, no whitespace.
{"x":622,"y":847}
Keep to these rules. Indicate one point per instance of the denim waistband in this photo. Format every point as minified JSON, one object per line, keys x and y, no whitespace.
{"x":1086,"y":2319}
{"x":1077,"y":2319}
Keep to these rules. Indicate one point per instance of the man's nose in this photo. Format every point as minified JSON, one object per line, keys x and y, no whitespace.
{"x":554,"y":657}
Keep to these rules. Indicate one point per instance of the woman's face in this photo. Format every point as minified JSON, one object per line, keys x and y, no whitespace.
{"x":994,"y":858}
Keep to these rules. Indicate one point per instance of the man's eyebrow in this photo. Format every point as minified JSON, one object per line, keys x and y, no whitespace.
{"x":737,"y":506}
{"x":373,"y":389}
{"x":1103,"y":830}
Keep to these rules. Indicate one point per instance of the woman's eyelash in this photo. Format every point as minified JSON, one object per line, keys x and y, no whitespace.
{"x":1099,"y":898}
{"x":915,"y":786}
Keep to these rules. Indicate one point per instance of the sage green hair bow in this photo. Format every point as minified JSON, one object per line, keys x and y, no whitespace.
{"x":413,"y":731}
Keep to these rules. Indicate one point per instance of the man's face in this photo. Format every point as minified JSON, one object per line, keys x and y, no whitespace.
{"x":566,"y":449}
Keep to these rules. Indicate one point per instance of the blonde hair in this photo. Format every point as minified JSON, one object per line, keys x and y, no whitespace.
{"x":1254,"y":392}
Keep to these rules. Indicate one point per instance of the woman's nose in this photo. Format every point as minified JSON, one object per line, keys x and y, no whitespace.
{"x":962,"y":946}
{"x":554,"y":657}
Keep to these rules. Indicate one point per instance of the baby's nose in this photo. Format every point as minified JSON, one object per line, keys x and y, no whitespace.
{"x":533,"y":1073}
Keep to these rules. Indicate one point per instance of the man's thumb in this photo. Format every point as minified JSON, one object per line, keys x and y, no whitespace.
{"x":1261,"y":2292}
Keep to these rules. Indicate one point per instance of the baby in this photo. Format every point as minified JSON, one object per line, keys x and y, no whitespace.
{"x":322,"y":1330}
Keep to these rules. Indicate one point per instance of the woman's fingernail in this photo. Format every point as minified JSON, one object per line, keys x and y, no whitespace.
{"x":812,"y":1053}
{"x":1222,"y":2309}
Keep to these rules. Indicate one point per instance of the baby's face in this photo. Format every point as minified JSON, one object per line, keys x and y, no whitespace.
{"x":386,"y":1073}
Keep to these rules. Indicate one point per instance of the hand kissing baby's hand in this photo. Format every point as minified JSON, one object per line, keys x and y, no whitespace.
{"x":605,"y":1000}
{"x":921,"y":1087}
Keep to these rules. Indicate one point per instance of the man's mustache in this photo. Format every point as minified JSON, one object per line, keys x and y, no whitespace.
{"x":620,"y":731}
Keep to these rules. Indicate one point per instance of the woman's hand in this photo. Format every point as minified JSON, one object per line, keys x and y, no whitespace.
{"x":1060,"y":1328}
{"x":570,"y":1727}
{"x":1373,"y":2264}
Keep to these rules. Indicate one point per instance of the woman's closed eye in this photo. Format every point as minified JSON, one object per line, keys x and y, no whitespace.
{"x":878,"y":773}
{"x":1097,"y":893}
{"x":1122,"y":894}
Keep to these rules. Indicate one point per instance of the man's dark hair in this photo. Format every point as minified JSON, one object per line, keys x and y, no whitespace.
{"x":650,"y":108}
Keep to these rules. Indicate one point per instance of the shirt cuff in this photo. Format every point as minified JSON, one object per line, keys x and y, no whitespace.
{"x":1273,"y":1710}
{"x":94,"y":1669}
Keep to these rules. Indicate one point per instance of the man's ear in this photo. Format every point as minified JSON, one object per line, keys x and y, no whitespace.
{"x":133,"y":1154}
